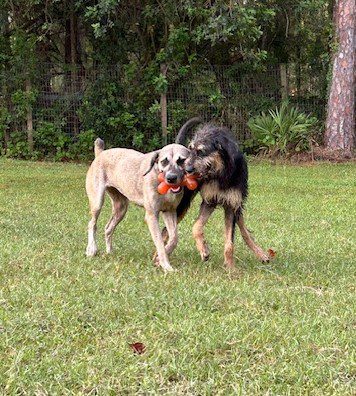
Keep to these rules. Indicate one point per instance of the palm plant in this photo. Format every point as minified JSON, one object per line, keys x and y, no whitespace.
{"x":284,"y":130}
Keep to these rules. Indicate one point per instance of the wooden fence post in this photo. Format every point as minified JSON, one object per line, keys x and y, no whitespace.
{"x":29,"y":118}
{"x":284,"y":81}
{"x":164,"y":108}
{"x":7,"y":105}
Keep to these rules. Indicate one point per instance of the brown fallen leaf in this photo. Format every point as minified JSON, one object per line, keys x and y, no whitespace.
{"x":271,"y":253}
{"x":138,"y":348}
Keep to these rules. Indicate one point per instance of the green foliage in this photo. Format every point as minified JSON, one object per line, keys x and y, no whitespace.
{"x":5,"y":119}
{"x":17,"y":147}
{"x":51,"y":143}
{"x":185,"y":36}
{"x":83,"y":146}
{"x":160,"y":83}
{"x":284,"y":130}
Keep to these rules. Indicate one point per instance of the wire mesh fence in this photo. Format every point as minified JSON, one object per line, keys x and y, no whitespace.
{"x":101,"y":99}
{"x":224,"y":96}
{"x":231,"y":97}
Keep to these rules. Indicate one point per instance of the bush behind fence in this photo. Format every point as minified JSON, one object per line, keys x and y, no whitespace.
{"x":58,"y":107}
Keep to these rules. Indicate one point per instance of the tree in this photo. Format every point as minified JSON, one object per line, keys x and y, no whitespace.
{"x":340,"y":123}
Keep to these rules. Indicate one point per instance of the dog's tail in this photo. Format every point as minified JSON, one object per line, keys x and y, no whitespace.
{"x":99,"y":146}
{"x":183,"y":132}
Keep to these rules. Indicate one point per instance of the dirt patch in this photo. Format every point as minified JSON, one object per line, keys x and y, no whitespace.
{"x":323,"y":154}
{"x":317,"y":154}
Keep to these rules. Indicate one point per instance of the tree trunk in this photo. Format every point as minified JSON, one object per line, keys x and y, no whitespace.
{"x":5,"y":100}
{"x":340,"y":123}
{"x":72,"y":58}
{"x":164,"y":109}
{"x":284,"y":81}
{"x":74,"y":71}
{"x":29,"y":119}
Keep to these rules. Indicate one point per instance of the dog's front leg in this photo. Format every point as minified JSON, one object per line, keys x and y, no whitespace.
{"x":153,"y":225}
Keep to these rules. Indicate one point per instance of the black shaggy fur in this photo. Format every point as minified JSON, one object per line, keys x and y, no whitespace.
{"x":223,"y":181}
{"x":220,"y":140}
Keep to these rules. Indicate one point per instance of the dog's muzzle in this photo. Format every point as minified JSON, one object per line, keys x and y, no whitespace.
{"x":174,"y":182}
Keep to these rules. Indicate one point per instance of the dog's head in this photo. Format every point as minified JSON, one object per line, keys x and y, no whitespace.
{"x":170,"y":160}
{"x":209,"y":153}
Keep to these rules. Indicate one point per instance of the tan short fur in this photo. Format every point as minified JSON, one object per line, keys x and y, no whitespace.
{"x":120,"y":173}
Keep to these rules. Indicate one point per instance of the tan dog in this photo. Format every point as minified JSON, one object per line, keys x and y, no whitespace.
{"x":128,"y":175}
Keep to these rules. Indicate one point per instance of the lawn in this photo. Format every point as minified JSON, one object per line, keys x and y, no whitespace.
{"x":286,"y":327}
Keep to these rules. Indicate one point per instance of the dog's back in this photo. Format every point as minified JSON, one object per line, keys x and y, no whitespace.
{"x":118,"y":167}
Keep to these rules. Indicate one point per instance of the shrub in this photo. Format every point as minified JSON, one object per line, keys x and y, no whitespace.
{"x":51,"y":142}
{"x":83,"y":146}
{"x":17,"y":147}
{"x":5,"y":118}
{"x":283,"y":131}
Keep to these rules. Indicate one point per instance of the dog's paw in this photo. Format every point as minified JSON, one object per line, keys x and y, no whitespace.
{"x":205,"y":253}
{"x":91,"y":251}
{"x":167,"y":269}
{"x":265,"y":257}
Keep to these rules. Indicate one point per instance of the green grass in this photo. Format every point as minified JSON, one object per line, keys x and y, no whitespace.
{"x":287,"y":327}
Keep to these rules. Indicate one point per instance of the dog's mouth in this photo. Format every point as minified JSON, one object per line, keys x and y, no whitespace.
{"x":176,"y":190}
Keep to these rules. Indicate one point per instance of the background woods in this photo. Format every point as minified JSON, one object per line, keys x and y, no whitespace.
{"x":125,"y":69}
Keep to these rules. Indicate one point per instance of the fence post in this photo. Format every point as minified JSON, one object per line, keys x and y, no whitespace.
{"x":164,"y":108}
{"x":29,"y":119}
{"x":7,"y":105}
{"x":284,"y":81}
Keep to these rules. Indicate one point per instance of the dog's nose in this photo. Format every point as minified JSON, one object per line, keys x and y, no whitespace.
{"x":189,"y":169}
{"x":171,"y":178}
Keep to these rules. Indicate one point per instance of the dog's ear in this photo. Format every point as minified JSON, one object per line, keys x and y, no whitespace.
{"x":218,"y":146}
{"x":154,"y":160}
{"x":226,"y":152}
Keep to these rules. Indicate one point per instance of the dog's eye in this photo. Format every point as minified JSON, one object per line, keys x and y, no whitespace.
{"x":199,"y":153}
{"x":164,"y":162}
{"x":180,"y":161}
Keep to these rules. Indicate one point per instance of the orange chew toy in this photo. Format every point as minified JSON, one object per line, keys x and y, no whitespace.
{"x":188,"y":181}
{"x":163,"y":188}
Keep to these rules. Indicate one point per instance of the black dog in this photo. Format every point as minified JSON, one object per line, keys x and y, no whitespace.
{"x":223,"y":180}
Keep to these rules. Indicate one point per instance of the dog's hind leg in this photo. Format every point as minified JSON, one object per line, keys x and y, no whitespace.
{"x":230,"y":223}
{"x":119,"y":209}
{"x":96,"y":199}
{"x":246,"y":235}
{"x":198,"y":229}
{"x":170,"y":220}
